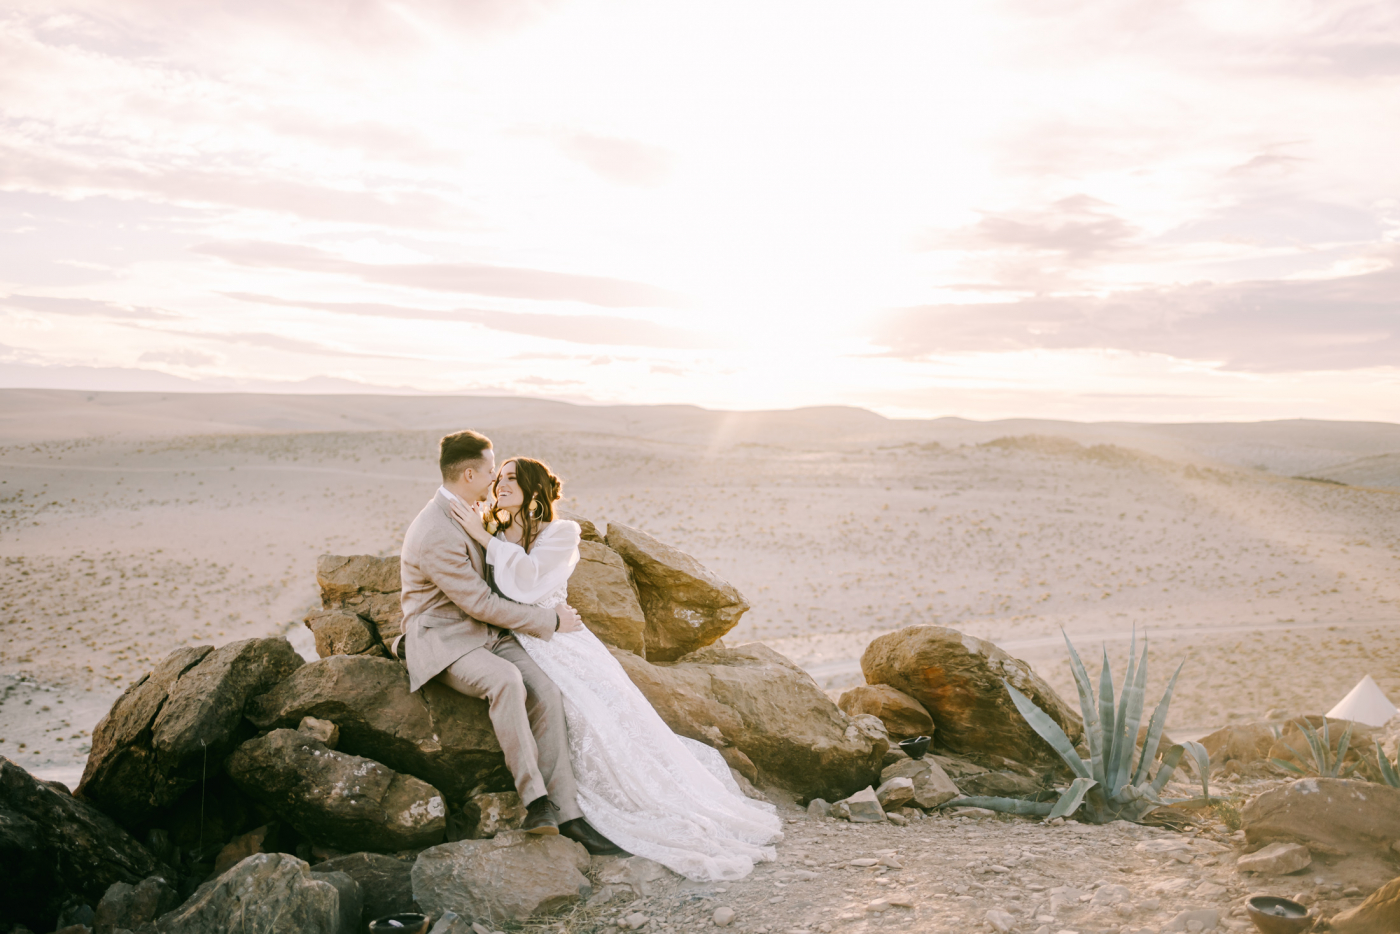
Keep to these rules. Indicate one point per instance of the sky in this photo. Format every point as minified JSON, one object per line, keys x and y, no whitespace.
{"x":1157,"y":211}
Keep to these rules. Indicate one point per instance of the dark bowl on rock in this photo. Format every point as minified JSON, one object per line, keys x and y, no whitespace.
{"x":1274,"y":915}
{"x":407,"y":923}
{"x":915,"y":747}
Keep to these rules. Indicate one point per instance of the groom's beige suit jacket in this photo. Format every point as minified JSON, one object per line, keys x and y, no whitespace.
{"x":448,"y":608}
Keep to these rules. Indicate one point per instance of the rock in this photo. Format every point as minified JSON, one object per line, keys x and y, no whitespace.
{"x":453,"y":923}
{"x":1276,"y":859}
{"x":442,"y":737}
{"x":588,"y":532}
{"x":267,"y":893}
{"x":258,"y":840}
{"x":751,"y":698}
{"x":602,"y":592}
{"x":322,"y":731}
{"x":818,"y":809}
{"x":633,"y":922}
{"x":1378,"y":914}
{"x":363,"y":586}
{"x":493,"y":812}
{"x":510,"y":877}
{"x":386,"y":883}
{"x":128,"y":907}
{"x":174,"y":726}
{"x":1327,"y":815}
{"x":861,"y":807}
{"x":634,"y":874}
{"x":340,"y":633}
{"x":747,"y":787}
{"x":349,"y":802}
{"x":902,"y":715}
{"x":1003,"y":784}
{"x":897,"y":818}
{"x":55,"y":849}
{"x":723,"y":917}
{"x":1207,"y":918}
{"x":1106,"y":896}
{"x":958,"y":679}
{"x":932,"y":786}
{"x":1000,"y":921}
{"x":686,"y":606}
{"x":894,"y":793}
{"x":1243,"y":743}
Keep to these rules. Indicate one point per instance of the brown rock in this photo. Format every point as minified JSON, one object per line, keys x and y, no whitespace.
{"x":1378,"y":914}
{"x":343,"y":577}
{"x":932,"y":786}
{"x":755,"y":700}
{"x":340,"y":633}
{"x":322,"y":731}
{"x":268,"y":893}
{"x":510,"y":877}
{"x":958,"y":679}
{"x":1243,"y":743}
{"x":588,"y":532}
{"x":902,"y":715}
{"x":493,"y":812}
{"x":386,"y":882}
{"x":1327,"y":815}
{"x":686,"y":606}
{"x":440,"y":736}
{"x":602,"y":592}
{"x":258,"y":840}
{"x":127,"y":907}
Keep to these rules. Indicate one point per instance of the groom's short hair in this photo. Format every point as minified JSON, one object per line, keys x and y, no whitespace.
{"x":459,"y":450}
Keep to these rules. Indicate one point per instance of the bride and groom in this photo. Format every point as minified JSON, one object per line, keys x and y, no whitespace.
{"x":484,"y":597}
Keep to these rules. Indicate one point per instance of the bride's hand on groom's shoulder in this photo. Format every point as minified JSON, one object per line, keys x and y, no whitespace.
{"x":470,"y":521}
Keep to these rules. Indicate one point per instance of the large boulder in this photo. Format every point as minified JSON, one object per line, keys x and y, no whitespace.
{"x":363,"y":586}
{"x":901,"y":714}
{"x":386,"y":883}
{"x":1243,"y":743}
{"x":958,"y":679}
{"x":602,"y":592}
{"x":442,"y":737}
{"x":754,"y":700}
{"x":331,"y":797}
{"x":174,"y":727}
{"x":1338,"y":816}
{"x":687,"y":607}
{"x":340,"y":632}
{"x":55,"y":848}
{"x":510,"y":877}
{"x":267,"y":893}
{"x":127,"y":907}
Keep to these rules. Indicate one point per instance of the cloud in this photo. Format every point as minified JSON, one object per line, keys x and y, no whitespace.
{"x":190,"y":358}
{"x":624,"y":161}
{"x":466,"y":278}
{"x":1078,"y":228}
{"x":85,"y":308}
{"x":279,"y":342}
{"x":1334,"y":324}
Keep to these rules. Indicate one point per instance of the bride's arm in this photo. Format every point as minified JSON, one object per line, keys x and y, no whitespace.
{"x":528,"y":577}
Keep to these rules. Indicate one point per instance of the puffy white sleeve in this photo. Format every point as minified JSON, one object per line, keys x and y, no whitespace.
{"x":529,"y":577}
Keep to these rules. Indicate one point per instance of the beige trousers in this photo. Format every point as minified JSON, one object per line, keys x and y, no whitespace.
{"x":527,"y":712}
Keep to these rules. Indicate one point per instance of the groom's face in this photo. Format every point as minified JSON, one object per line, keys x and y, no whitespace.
{"x":476,"y":479}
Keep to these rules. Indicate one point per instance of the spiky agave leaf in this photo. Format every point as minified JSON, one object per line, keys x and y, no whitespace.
{"x":1130,"y":715}
{"x":1048,"y":730}
{"x":1169,"y":762}
{"x":1289,"y":765}
{"x":1155,"y":726}
{"x":1342,"y":745}
{"x":1202,"y":760}
{"x":1320,"y":746}
{"x":1107,"y":720}
{"x":1004,"y":805}
{"x":1088,"y":706}
{"x":1072,"y":798}
{"x":1389,"y":773}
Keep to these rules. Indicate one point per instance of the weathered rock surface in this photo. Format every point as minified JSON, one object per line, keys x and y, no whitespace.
{"x":861,"y":807}
{"x":751,"y":698}
{"x":338,"y":632}
{"x":958,"y":679}
{"x":1327,"y":815}
{"x":262,"y":839}
{"x":386,"y":883}
{"x":486,"y":815}
{"x":932,"y":786}
{"x":1243,"y":743}
{"x":126,"y":906}
{"x":323,"y":731}
{"x":165,"y":731}
{"x":364,"y":586}
{"x":621,"y":874}
{"x":902,"y":715}
{"x":349,"y":802}
{"x":1378,"y":914}
{"x":602,"y":592}
{"x":54,"y":847}
{"x":895,"y":792}
{"x":1276,"y":859}
{"x":588,"y":532}
{"x":686,"y":606}
{"x":268,"y":893}
{"x":510,"y":877}
{"x":439,"y":735}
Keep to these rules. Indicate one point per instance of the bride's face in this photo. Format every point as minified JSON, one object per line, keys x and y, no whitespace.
{"x":508,"y":494}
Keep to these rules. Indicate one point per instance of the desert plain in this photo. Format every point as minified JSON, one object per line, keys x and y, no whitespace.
{"x":1263,"y":556}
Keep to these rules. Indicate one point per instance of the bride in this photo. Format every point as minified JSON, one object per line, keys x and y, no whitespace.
{"x":653,"y":793}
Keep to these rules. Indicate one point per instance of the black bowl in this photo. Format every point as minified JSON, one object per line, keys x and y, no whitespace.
{"x":1273,"y":915}
{"x":916,"y":746}
{"x":407,"y":923}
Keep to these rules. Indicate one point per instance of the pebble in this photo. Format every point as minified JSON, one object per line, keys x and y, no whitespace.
{"x":878,"y":905}
{"x":901,"y":901}
{"x":723,"y":917}
{"x":864,"y":862}
{"x":896,"y":818}
{"x":633,"y":922}
{"x":1000,"y":920}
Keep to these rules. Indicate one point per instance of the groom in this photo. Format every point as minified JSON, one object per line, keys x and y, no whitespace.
{"x":457,"y":630}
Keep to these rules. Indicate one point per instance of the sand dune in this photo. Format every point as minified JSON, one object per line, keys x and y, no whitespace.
{"x":134,"y":523}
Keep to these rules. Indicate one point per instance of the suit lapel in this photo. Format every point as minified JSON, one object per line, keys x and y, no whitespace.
{"x":474,"y":552}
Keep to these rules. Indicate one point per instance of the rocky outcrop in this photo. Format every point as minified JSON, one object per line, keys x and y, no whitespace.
{"x":54,"y":848}
{"x":386,"y":883}
{"x":269,"y":893}
{"x":127,"y":907}
{"x":359,"y":586}
{"x":754,"y":700}
{"x":686,"y":606}
{"x":165,"y":731}
{"x":602,"y":592}
{"x":440,"y":736}
{"x":339,"y":632}
{"x":958,"y":679}
{"x":1327,"y":815}
{"x":331,"y":797}
{"x":510,"y":877}
{"x":902,"y":715}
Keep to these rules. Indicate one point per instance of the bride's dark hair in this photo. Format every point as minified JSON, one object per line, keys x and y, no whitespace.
{"x":539,"y":489}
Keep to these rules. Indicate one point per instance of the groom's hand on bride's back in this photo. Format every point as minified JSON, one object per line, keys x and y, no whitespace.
{"x":569,"y":620}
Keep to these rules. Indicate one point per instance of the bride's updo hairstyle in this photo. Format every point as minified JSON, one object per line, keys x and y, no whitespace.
{"x":539,"y":489}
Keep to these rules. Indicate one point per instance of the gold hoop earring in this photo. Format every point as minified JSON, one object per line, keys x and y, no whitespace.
{"x":536,"y":509}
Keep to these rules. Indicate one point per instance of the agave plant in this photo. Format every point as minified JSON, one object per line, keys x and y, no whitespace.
{"x":1109,"y":786}
{"x":1323,"y":764}
{"x":1390,"y":773}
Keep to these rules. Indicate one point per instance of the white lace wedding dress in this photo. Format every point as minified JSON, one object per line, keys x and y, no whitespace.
{"x":653,"y":793}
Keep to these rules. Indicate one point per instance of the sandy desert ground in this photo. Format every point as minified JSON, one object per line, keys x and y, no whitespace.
{"x":134,"y":523}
